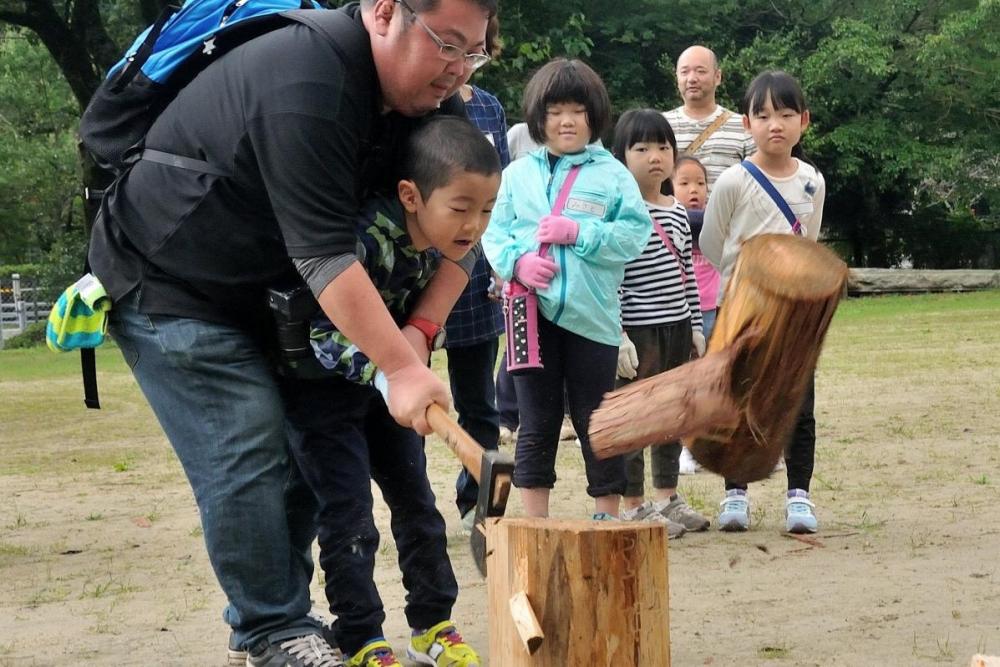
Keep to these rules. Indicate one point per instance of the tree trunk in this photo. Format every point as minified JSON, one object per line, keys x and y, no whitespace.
{"x":597,"y":589}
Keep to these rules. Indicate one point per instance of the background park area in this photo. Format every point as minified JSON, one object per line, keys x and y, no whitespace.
{"x":102,"y":561}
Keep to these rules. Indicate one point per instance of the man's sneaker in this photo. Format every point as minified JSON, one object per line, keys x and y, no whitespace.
{"x":376,"y":653}
{"x":686,"y":464}
{"x":469,"y":521}
{"x":508,"y":436}
{"x":309,"y":650}
{"x":235,"y":656}
{"x":647,"y":512}
{"x":799,"y":515}
{"x":735,"y":512}
{"x":678,"y":511}
{"x":441,"y":646}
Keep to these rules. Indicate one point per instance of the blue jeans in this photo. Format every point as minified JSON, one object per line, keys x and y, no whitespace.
{"x":708,"y":322}
{"x":470,"y":371}
{"x":342,"y":437}
{"x":214,"y":394}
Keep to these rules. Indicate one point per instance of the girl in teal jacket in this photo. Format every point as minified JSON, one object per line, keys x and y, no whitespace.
{"x":603,"y":225}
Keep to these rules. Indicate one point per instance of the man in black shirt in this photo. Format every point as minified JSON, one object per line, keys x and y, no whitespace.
{"x":297,"y":132}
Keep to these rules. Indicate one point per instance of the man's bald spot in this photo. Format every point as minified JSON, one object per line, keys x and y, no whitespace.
{"x":699,"y":49}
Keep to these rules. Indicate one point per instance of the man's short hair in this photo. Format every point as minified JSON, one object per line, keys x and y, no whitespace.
{"x":430,"y":5}
{"x":561,"y":81}
{"x":442,"y":146}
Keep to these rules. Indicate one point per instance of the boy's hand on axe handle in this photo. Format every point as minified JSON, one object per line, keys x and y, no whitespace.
{"x":408,"y":391}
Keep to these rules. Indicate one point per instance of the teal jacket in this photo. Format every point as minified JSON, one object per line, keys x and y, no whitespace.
{"x":614,"y":228}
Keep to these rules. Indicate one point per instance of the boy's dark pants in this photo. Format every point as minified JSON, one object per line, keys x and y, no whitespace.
{"x":342,"y":436}
{"x":586,"y":371}
{"x":659,"y":348}
{"x":470,"y":371}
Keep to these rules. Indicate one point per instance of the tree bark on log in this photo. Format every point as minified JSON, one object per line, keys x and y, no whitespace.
{"x":598,"y":590}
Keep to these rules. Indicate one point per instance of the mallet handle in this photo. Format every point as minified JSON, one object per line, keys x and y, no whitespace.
{"x":468,"y":451}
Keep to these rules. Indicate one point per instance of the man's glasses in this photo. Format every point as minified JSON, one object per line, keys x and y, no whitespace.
{"x":449,"y":52}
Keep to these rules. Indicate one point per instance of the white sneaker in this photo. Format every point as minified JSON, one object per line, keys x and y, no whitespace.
{"x":508,"y":437}
{"x":647,"y":512}
{"x":687,"y":464}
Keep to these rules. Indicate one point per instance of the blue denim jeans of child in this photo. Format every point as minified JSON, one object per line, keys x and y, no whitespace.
{"x":214,"y":394}
{"x":342,"y":437}
{"x":470,"y":371}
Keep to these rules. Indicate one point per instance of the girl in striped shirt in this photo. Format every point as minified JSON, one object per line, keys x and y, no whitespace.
{"x":661,"y":311}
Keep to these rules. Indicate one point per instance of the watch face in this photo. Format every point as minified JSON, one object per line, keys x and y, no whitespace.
{"x":438,"y":341}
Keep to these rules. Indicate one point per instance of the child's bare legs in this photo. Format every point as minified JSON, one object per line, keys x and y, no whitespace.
{"x":607,"y":504}
{"x":536,"y":502}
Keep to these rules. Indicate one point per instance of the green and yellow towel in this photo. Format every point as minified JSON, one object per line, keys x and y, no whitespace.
{"x":79,"y":319}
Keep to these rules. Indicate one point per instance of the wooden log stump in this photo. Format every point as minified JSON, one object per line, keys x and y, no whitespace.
{"x":597,"y":590}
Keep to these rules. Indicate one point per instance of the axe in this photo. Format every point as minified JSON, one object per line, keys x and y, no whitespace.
{"x":493,"y":471}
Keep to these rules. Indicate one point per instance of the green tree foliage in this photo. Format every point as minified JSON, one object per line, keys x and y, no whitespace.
{"x":39,"y":181}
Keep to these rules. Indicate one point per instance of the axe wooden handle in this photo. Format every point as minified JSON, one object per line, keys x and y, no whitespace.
{"x":468,"y":451}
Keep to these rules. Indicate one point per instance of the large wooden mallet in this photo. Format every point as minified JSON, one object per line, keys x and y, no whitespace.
{"x":736,"y":407}
{"x":492,"y":469}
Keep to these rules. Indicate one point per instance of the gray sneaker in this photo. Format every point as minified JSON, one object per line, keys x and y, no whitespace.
{"x":647,"y":512}
{"x":678,"y":511}
{"x":309,"y":650}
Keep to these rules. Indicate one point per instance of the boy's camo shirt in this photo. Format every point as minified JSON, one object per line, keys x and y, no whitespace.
{"x":399,"y":272}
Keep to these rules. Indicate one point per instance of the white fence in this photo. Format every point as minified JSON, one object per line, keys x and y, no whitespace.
{"x":18,"y":307}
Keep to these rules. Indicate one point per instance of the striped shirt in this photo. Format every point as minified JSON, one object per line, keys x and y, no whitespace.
{"x":654,"y":292}
{"x":727,"y":146}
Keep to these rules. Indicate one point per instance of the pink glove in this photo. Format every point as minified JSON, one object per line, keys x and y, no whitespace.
{"x":557,"y":229}
{"x":534,"y":270}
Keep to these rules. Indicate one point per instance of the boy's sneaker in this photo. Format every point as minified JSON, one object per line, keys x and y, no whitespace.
{"x":441,"y":646}
{"x":686,"y":464}
{"x":309,"y":650}
{"x":678,"y":511}
{"x":603,"y":516}
{"x":376,"y":653}
{"x":648,"y":512}
{"x":799,"y":515}
{"x":735,"y":513}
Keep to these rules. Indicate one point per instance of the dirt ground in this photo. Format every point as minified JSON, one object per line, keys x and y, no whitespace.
{"x":102,"y":561}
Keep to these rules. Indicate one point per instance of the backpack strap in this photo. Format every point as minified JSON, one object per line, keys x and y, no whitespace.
{"x":346,"y":37}
{"x":772,"y":191}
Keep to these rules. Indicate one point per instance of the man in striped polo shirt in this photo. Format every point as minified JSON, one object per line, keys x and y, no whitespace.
{"x":698,"y":76}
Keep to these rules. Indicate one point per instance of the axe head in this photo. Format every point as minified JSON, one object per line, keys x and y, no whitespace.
{"x":495,"y":477}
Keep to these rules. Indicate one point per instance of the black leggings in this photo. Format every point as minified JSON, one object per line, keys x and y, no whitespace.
{"x":800,"y":452}
{"x":585,"y":369}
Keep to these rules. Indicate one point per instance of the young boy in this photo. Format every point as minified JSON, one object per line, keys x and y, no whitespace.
{"x":341,"y":433}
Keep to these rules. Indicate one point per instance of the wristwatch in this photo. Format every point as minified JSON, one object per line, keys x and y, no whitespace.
{"x":434,"y":332}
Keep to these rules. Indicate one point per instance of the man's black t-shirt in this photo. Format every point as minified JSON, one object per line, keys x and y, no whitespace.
{"x":293,"y":124}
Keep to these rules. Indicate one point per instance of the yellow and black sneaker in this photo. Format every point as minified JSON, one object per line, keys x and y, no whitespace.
{"x":376,"y":653}
{"x":442,"y":646}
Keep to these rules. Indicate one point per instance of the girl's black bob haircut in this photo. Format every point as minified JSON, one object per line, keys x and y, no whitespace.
{"x":560,"y":81}
{"x":641,"y":125}
{"x":779,"y":87}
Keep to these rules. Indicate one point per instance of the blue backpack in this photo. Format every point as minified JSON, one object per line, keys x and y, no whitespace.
{"x":170,"y":53}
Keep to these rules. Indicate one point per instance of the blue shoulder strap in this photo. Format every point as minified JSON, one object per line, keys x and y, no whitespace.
{"x":769,"y":188}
